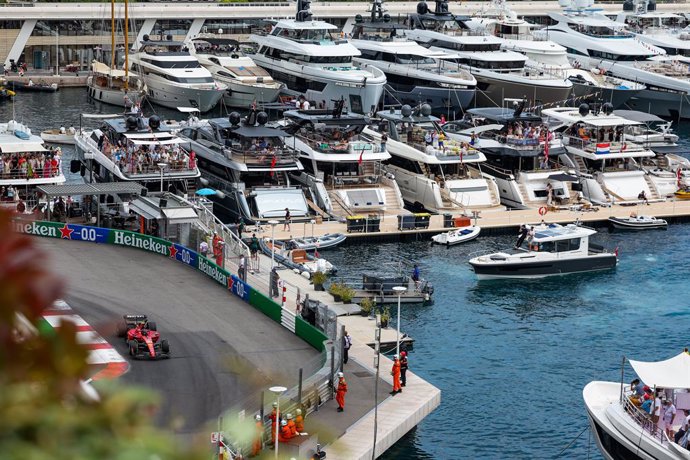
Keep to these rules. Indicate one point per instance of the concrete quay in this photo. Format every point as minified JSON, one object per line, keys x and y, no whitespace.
{"x":63,"y":81}
{"x":491,"y":222}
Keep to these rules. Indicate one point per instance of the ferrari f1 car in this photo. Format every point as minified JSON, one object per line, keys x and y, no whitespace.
{"x":142,"y":337}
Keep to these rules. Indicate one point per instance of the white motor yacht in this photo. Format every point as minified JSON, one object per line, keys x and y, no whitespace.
{"x":619,"y":425}
{"x":514,"y":142}
{"x":500,"y":73}
{"x":433,"y":173}
{"x":555,"y":250}
{"x":343,"y":166}
{"x":246,"y":81}
{"x":314,"y":59}
{"x":248,"y":162}
{"x":415,"y":75}
{"x":173,"y":77}
{"x":668,"y":31}
{"x":594,"y":41}
{"x":22,"y":177}
{"x":548,"y":56}
{"x":134,"y":148}
{"x":608,"y":164}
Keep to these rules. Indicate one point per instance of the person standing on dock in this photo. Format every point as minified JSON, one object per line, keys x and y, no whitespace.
{"x":415,"y":276}
{"x":403,"y":368}
{"x":396,"y":376}
{"x":286,"y":224}
{"x":347,"y":343}
{"x":242,"y":268}
{"x":256,"y":445}
{"x":340,"y":392}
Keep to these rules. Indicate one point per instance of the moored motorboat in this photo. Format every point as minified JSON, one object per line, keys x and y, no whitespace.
{"x":457,"y":235}
{"x":59,"y":135}
{"x":328,"y":240}
{"x":621,"y":427}
{"x":682,"y":194}
{"x":635,"y":222}
{"x":554,"y":250}
{"x":298,"y":260}
{"x":34,"y":87}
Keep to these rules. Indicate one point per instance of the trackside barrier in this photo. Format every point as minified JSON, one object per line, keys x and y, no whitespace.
{"x":174,"y":251}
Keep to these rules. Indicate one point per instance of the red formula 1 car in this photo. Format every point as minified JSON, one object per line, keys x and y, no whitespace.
{"x":142,"y":337}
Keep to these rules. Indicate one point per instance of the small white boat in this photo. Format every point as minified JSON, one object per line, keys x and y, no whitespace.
{"x":635,"y":222}
{"x":328,"y":240}
{"x":457,"y":235}
{"x":59,"y":135}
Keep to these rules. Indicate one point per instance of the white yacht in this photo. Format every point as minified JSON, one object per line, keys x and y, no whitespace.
{"x":433,"y":173}
{"x":173,"y":77}
{"x":594,"y":41}
{"x":136,"y":148}
{"x":246,"y":81}
{"x":500,"y":73}
{"x":38,"y":168}
{"x":620,"y":427}
{"x":248,"y":163}
{"x":668,"y":31}
{"x":545,"y":55}
{"x":555,"y":250}
{"x":415,"y":75}
{"x":608,"y":164}
{"x":343,"y":166}
{"x":518,"y":159}
{"x":314,"y":59}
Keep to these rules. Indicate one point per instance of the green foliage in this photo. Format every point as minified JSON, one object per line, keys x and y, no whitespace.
{"x":385,"y":314}
{"x":341,"y":290}
{"x":318,"y":278}
{"x":43,"y":412}
{"x":367,"y":305}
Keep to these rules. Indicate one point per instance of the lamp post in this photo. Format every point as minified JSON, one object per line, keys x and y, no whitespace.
{"x":277,"y":391}
{"x":312,"y":222}
{"x":273,"y":246}
{"x":162,"y":166}
{"x":399,"y":291}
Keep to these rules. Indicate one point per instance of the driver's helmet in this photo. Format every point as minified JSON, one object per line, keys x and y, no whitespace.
{"x":144,"y":332}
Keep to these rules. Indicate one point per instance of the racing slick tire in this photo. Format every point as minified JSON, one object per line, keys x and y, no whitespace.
{"x":165,"y":346}
{"x":133,"y":347}
{"x":121,"y":330}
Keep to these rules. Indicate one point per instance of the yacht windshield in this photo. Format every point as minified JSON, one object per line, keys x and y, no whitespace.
{"x":312,"y":35}
{"x":414,"y":59}
{"x":599,"y":30}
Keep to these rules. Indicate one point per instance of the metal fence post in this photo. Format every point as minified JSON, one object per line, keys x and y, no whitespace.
{"x":299,"y":387}
{"x":330,"y":377}
{"x":342,"y":347}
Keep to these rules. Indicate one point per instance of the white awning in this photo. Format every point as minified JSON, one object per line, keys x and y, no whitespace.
{"x":22,"y":147}
{"x":180,"y":215}
{"x":672,"y":373}
{"x":99,"y":67}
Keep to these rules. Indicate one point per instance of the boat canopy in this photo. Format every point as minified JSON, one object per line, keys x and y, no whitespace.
{"x":555,"y":232}
{"x":99,"y":67}
{"x":22,"y":147}
{"x":636,"y":115}
{"x":153,"y":139}
{"x":671,"y":373}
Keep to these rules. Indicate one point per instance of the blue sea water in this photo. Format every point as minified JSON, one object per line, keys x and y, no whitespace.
{"x":511,"y":357}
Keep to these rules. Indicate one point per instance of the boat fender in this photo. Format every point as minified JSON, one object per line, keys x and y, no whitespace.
{"x":426,"y":296}
{"x":306,"y":274}
{"x":543,"y":210}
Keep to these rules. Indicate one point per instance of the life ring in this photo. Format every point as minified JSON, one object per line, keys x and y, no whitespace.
{"x":543,"y":210}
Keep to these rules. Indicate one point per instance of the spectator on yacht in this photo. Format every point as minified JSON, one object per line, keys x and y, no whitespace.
{"x":684,"y":426}
{"x":669,"y":414}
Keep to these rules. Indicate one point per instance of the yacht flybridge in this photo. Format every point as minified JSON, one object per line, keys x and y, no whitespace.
{"x":415,"y":74}
{"x":547,"y":56}
{"x":500,"y":73}
{"x":668,"y":31}
{"x":594,"y":41}
{"x":246,"y":81}
{"x":248,"y":162}
{"x":607,"y":163}
{"x":343,"y":166}
{"x":433,"y":172}
{"x":621,"y":428}
{"x":173,"y":77}
{"x":313,"y":59}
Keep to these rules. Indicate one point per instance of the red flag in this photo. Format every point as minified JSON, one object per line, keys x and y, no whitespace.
{"x":361,"y":154}
{"x":274,"y":160}
{"x":546,"y":150}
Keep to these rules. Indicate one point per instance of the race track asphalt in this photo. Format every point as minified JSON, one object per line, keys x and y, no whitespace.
{"x":223,"y":350}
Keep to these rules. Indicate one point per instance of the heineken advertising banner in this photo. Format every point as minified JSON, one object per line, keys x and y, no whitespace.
{"x":139,"y":241}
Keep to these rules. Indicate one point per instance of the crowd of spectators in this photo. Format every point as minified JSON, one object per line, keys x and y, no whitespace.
{"x":31,"y":165}
{"x":145,"y":158}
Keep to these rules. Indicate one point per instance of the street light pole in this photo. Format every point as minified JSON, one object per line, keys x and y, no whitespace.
{"x":277,"y":391}
{"x":162,"y":167}
{"x":399,"y":290}
{"x":57,"y":51}
{"x":312,"y":227}
{"x":273,"y":244}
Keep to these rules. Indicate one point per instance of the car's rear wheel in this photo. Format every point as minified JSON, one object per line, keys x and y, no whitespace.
{"x":165,"y":346}
{"x":132,"y":348}
{"x":152,"y":326}
{"x":121,"y":329}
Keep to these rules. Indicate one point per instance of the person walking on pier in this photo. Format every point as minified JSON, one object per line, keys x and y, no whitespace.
{"x":256,"y":445}
{"x":286,"y":224}
{"x":347,"y":343}
{"x":396,"y":376}
{"x":403,"y":368}
{"x":340,"y":393}
{"x":254,"y":246}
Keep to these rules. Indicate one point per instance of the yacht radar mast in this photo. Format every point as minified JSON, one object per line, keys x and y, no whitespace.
{"x":303,"y":11}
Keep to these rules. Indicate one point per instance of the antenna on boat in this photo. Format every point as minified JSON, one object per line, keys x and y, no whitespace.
{"x":303,"y":11}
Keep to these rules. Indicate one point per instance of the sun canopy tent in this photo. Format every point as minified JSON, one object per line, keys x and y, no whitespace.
{"x":671,"y":373}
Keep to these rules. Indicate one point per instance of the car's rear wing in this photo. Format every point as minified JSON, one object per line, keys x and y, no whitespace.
{"x":135,"y":318}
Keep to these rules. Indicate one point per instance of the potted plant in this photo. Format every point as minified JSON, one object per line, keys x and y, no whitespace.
{"x":385,"y":316}
{"x":317,"y":279}
{"x":347,"y":293}
{"x":336,"y":289}
{"x":366,"y":306}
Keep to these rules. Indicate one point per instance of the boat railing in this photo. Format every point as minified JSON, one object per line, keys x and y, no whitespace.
{"x":501,"y":173}
{"x":275,"y":157}
{"x":343,"y":181}
{"x":527,"y":37}
{"x":28,"y":173}
{"x":642,"y":418}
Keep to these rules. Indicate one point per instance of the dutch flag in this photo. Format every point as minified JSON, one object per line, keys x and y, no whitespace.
{"x":603,"y":148}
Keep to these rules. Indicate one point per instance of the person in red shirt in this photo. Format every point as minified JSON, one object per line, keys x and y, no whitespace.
{"x":396,"y":376}
{"x":340,"y":392}
{"x":257,"y":444}
{"x":285,"y":434}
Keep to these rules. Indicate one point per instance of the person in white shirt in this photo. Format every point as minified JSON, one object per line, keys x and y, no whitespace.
{"x":656,"y":411}
{"x":669,"y":414}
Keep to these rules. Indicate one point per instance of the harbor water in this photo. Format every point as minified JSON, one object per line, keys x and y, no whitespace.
{"x":511,"y":357}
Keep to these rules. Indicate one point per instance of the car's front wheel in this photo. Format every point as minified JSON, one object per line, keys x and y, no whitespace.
{"x":165,"y":346}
